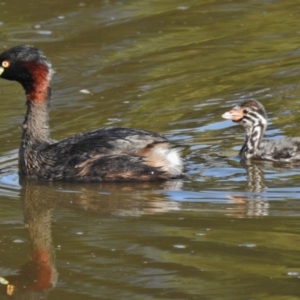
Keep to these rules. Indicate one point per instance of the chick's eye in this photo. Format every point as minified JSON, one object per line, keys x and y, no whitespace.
{"x":246,"y":110}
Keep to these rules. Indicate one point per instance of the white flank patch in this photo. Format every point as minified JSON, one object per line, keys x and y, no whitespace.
{"x":173,"y":157}
{"x":170,"y":160}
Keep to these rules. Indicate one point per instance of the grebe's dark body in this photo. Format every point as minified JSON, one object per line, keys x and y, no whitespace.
{"x":106,"y":154}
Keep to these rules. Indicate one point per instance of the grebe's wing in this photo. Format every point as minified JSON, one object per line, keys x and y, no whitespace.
{"x":109,"y":140}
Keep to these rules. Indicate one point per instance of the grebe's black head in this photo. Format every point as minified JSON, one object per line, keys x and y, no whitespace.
{"x":27,"y":65}
{"x":249,"y":113}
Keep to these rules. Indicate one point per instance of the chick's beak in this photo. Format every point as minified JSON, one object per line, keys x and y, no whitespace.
{"x":234,"y":115}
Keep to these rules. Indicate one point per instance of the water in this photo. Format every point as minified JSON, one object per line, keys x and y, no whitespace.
{"x":226,"y":231}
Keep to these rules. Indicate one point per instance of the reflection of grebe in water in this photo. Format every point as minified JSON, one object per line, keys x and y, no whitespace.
{"x":107,"y":154}
{"x":38,"y":276}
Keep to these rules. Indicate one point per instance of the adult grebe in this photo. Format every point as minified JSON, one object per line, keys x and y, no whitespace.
{"x":106,"y":154}
{"x":252,"y":116}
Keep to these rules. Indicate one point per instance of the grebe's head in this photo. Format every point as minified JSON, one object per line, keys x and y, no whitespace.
{"x":28,"y":66}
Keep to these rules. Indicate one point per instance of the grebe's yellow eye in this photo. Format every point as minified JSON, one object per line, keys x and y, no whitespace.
{"x":5,"y":64}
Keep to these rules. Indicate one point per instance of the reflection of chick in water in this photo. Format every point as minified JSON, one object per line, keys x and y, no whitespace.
{"x":255,"y":177}
{"x":254,"y":205}
{"x":37,"y":276}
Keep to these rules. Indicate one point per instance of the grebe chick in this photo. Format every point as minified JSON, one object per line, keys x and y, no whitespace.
{"x":106,"y":154}
{"x":252,"y":116}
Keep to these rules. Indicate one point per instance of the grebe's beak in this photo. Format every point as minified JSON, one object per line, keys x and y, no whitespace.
{"x":1,"y":70}
{"x":234,"y":115}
